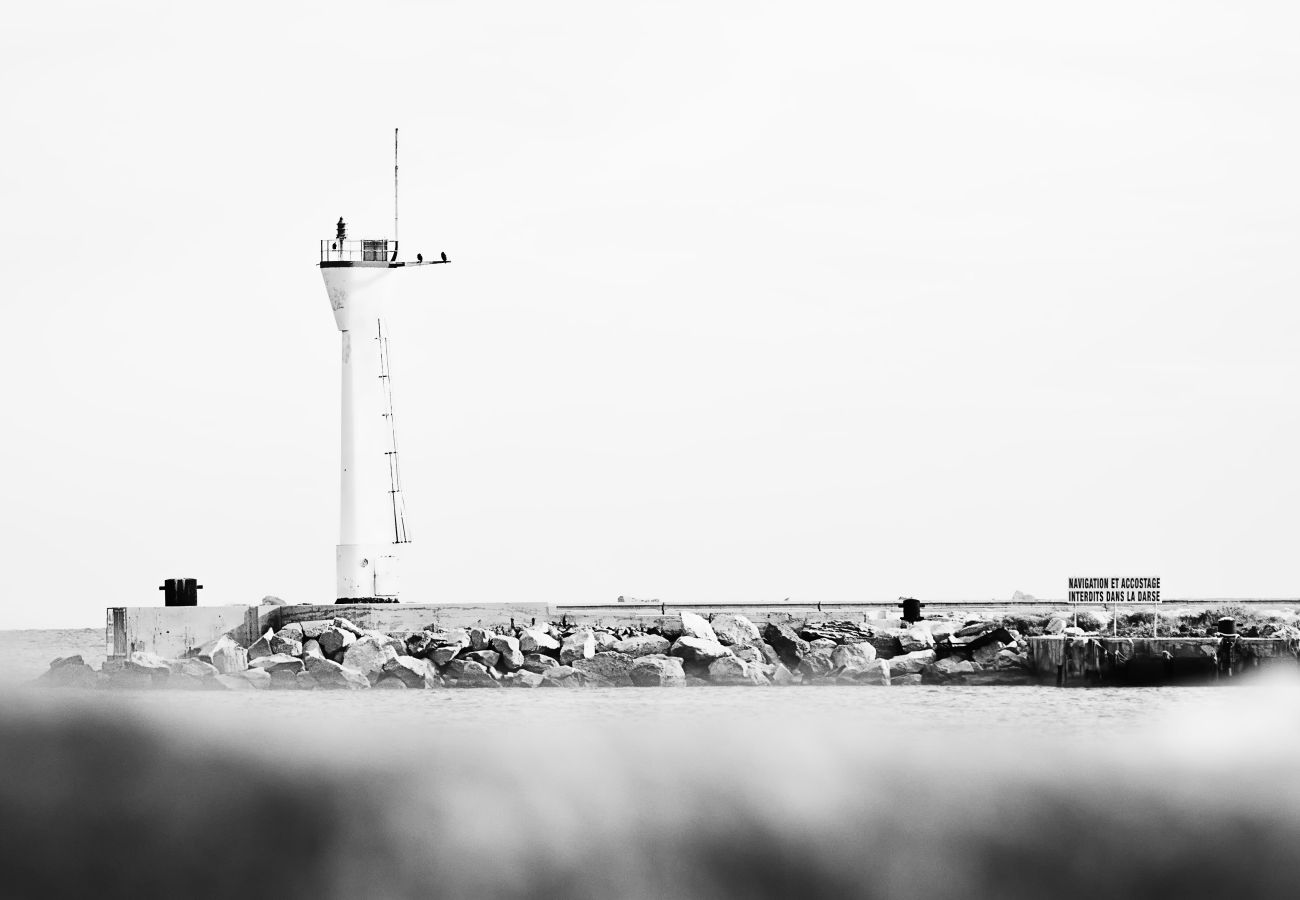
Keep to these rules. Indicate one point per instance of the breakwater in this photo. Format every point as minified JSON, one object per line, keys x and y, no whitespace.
{"x":678,"y":650}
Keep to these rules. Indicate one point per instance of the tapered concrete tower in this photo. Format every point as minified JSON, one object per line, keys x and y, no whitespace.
{"x":358,"y":277}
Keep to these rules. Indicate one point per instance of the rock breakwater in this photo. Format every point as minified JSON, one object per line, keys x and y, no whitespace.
{"x":674,"y":651}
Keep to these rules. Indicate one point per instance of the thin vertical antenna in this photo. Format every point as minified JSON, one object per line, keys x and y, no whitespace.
{"x":394,"y":188}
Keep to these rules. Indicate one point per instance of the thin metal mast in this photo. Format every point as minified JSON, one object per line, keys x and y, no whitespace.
{"x":394,"y":189}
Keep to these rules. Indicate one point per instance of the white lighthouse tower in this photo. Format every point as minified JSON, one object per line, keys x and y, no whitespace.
{"x":359,"y":276}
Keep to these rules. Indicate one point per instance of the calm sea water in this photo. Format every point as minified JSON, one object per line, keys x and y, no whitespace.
{"x":899,"y":793}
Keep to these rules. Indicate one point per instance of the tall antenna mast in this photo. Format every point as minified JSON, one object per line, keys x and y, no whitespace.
{"x":394,"y":187}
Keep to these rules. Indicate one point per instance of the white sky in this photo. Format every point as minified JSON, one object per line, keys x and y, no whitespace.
{"x":749,"y":301}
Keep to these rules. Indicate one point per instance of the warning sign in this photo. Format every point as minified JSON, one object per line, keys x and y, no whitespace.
{"x":1114,"y":590}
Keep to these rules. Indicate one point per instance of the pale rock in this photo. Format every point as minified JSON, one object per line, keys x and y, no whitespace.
{"x":410,"y":671}
{"x":525,"y":679}
{"x":390,"y":683}
{"x":1009,"y":659}
{"x":1056,"y":625}
{"x":910,"y":663}
{"x":698,"y":650}
{"x":280,"y":644}
{"x":604,"y":641}
{"x":855,"y":657}
{"x":733,"y":629}
{"x":474,"y":674}
{"x":940,"y":628}
{"x":948,"y":669}
{"x":479,"y":638}
{"x":696,"y":626}
{"x":313,"y":629}
{"x":822,"y":644}
{"x":311,"y":647}
{"x":147,"y":664}
{"x":564,"y":676}
{"x":816,"y":663}
{"x":579,"y":645}
{"x":277,"y":663}
{"x":905,"y":680}
{"x":197,"y":668}
{"x":306,"y":681}
{"x":258,"y":678}
{"x":537,"y":640}
{"x":367,"y":655}
{"x":781,"y":675}
{"x":228,"y":656}
{"x":643,"y":645}
{"x":233,"y":683}
{"x":510,"y":656}
{"x":348,"y":626}
{"x":272,"y":600}
{"x":608,"y":665}
{"x":733,"y":670}
{"x":657,"y":671}
{"x":488,"y":659}
{"x":443,"y":655}
{"x":330,"y":675}
{"x":918,"y":637}
{"x":749,"y":653}
{"x":985,"y":654}
{"x":536,"y":662}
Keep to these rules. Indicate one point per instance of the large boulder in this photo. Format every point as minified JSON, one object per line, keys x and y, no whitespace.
{"x":816,"y":664}
{"x":948,"y":669}
{"x":918,"y":637}
{"x":905,"y":680}
{"x":408,"y":670}
{"x":147,"y":664}
{"x":842,"y":632}
{"x":70,"y":671}
{"x":197,"y":668}
{"x":786,"y":642}
{"x":608,"y":665}
{"x":910,"y":663}
{"x":330,"y":675}
{"x":418,"y":644}
{"x":886,"y":642}
{"x":733,"y":670}
{"x":537,"y":640}
{"x":228,"y":656}
{"x":536,"y":662}
{"x":749,"y":653}
{"x":279,"y":662}
{"x":288,"y":640}
{"x":564,"y":676}
{"x":510,"y":656}
{"x":312,"y":630}
{"x":525,"y":679}
{"x":258,"y":678}
{"x":479,"y":638}
{"x":781,"y":675}
{"x":367,"y":655}
{"x":311,"y":647}
{"x":346,"y":625}
{"x":260,"y":647}
{"x":853,"y":656}
{"x":657,"y":671}
{"x":389,"y":683}
{"x":697,"y":627}
{"x":579,"y":645}
{"x":985,"y":654}
{"x":643,"y":645}
{"x":605,"y":640}
{"x":233,"y":682}
{"x":941,"y":628}
{"x":474,"y":674}
{"x":875,"y":672}
{"x":1010,"y":659}
{"x":734,"y":629}
{"x":698,"y":650}
{"x":443,"y":655}
{"x":335,"y":640}
{"x":488,"y":659}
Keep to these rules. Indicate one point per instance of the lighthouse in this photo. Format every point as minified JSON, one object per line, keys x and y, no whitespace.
{"x":359,"y":276}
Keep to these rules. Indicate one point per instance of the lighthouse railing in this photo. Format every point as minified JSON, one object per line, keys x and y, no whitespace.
{"x":364,"y":250}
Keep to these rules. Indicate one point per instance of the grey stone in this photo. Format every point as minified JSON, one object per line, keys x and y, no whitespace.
{"x":525,"y":679}
{"x":822,"y":644}
{"x":443,"y":655}
{"x":643,"y":645}
{"x":733,"y":670}
{"x":148,"y":664}
{"x":486,"y":658}
{"x":781,"y":675}
{"x":410,"y":671}
{"x":311,"y":647}
{"x":71,"y":672}
{"x":346,"y":625}
{"x":612,"y":666}
{"x":604,"y":641}
{"x":749,"y":653}
{"x":657,"y":671}
{"x":537,"y":640}
{"x":579,"y":645}
{"x":479,"y":638}
{"x":336,"y":640}
{"x":133,"y":680}
{"x":285,"y":680}
{"x":474,"y":674}
{"x":816,"y":663}
{"x":313,"y":629}
{"x":418,"y":644}
{"x":874,"y":672}
{"x":886,"y":643}
{"x":510,"y":657}
{"x":233,"y":683}
{"x":905,"y":680}
{"x":941,"y":628}
{"x":330,"y":675}
{"x":536,"y":662}
{"x":390,"y":683}
{"x":918,"y":637}
{"x":734,"y":629}
{"x":197,"y":668}
{"x":279,"y":662}
{"x":696,"y":626}
{"x":285,"y":645}
{"x":786,"y":642}
{"x":258,"y":678}
{"x":985,"y":654}
{"x":272,"y":600}
{"x":306,"y":681}
{"x":228,"y":656}
{"x":699,"y":650}
{"x":853,"y":656}
{"x":910,"y":663}
{"x":950,"y":668}
{"x":1009,"y":659}
{"x":564,"y":676}
{"x":260,"y":647}
{"x":367,"y":655}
